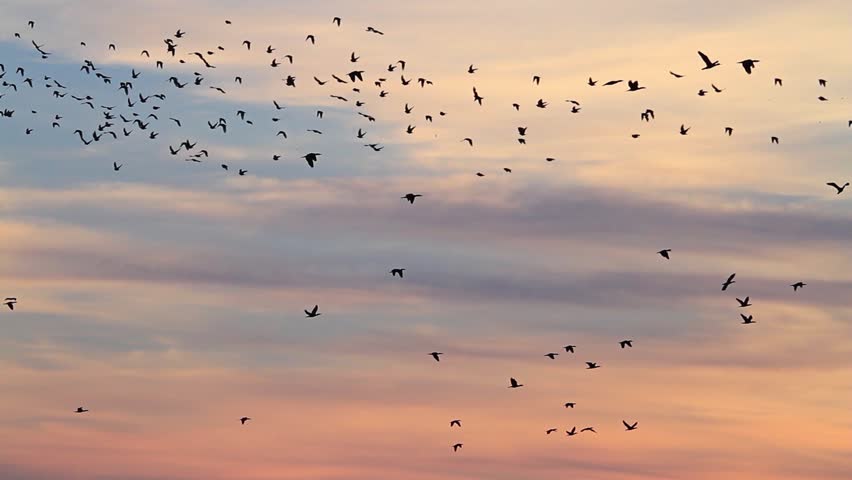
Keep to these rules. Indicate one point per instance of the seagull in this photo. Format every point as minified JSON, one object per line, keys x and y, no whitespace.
{"x":630,"y":427}
{"x":313,"y":313}
{"x":728,"y":282}
{"x":244,"y":420}
{"x":708,"y":64}
{"x":456,"y":423}
{"x":748,"y":65}
{"x":436,"y":356}
{"x":514,"y":383}
{"x":626,"y":343}
{"x":591,"y":82}
{"x":471,"y":70}
{"x":552,"y":356}
{"x":80,"y":410}
{"x":838,"y":187}
{"x":774,"y":140}
{"x":665,"y":253}
{"x":592,"y":365}
{"x":744,"y":303}
{"x":747,"y":320}
{"x":796,"y":286}
{"x":779,"y":82}
{"x":410,"y":197}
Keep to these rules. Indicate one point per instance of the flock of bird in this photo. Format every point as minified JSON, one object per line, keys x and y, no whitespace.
{"x":137,"y":115}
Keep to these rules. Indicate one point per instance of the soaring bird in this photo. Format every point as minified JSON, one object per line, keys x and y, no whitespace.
{"x":551,"y":356}
{"x":476,"y":98}
{"x":592,"y":365}
{"x":311,"y":158}
{"x":456,"y":423}
{"x":665,"y":253}
{"x":684,"y":129}
{"x":436,"y":356}
{"x":729,"y":281}
{"x":457,"y":446}
{"x":569,"y":348}
{"x":591,"y":82}
{"x":411,"y":196}
{"x":550,"y":430}
{"x":838,"y":187}
{"x":468,"y":140}
{"x":397,"y":271}
{"x":471,"y":70}
{"x":570,"y":405}
{"x":779,"y":82}
{"x":747,"y":320}
{"x":588,"y":429}
{"x":748,"y":65}
{"x":572,"y":432}
{"x":796,"y":286}
{"x":116,"y":167}
{"x":244,"y":420}
{"x":743,"y":303}
{"x":514,"y":383}
{"x":822,"y":82}
{"x":729,"y":131}
{"x":633,"y":86}
{"x":708,"y":64}
{"x":313,"y":313}
{"x":626,"y":343}
{"x":10,"y":302}
{"x":676,"y":75}
{"x":629,"y":426}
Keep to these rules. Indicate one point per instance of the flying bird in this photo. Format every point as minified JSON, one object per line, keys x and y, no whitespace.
{"x":551,"y":356}
{"x":729,"y":281}
{"x":80,"y":410}
{"x":592,"y":365}
{"x":630,"y":427}
{"x":839,"y":188}
{"x":456,"y":423}
{"x":313,"y":313}
{"x":748,"y":65}
{"x":708,"y":64}
{"x":743,"y":303}
{"x":747,"y":320}
{"x":665,"y":253}
{"x":397,"y":271}
{"x":436,"y":356}
{"x":514,"y":383}
{"x":244,"y":420}
{"x":411,"y":196}
{"x":796,"y":286}
{"x":626,"y":343}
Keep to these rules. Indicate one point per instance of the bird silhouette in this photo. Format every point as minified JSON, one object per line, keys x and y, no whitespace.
{"x":411,"y":196}
{"x":80,"y":410}
{"x":708,"y":64}
{"x":457,"y":446}
{"x":397,"y":271}
{"x":727,"y":283}
{"x":837,"y":187}
{"x":747,"y":320}
{"x":313,"y":313}
{"x":244,"y":420}
{"x":628,"y":427}
{"x":626,"y":343}
{"x":665,"y":253}
{"x":552,"y":356}
{"x":514,"y":383}
{"x":748,"y":65}
{"x":743,"y":303}
{"x":796,"y":286}
{"x":592,"y":365}
{"x":436,"y":356}
{"x":456,"y":423}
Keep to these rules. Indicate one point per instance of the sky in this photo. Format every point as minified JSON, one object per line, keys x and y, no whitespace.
{"x":167,"y":297}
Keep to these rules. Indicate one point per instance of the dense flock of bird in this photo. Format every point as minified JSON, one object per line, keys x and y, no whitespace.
{"x":136,"y":114}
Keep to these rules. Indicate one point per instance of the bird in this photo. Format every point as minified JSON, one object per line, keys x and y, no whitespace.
{"x":552,"y":356}
{"x":774,"y":140}
{"x":569,"y":348}
{"x":536,"y":79}
{"x":514,"y":383}
{"x":570,"y":405}
{"x":353,"y":58}
{"x":336,"y":20}
{"x":436,"y":356}
{"x":311,"y":158}
{"x":744,"y":303}
{"x":312,"y":39}
{"x":684,"y":129}
{"x":592,"y":365}
{"x":10,"y":302}
{"x":822,"y":82}
{"x":747,"y":319}
{"x":468,"y":140}
{"x":633,"y":86}
{"x":411,"y":196}
{"x":748,"y":65}
{"x":397,"y":271}
{"x":626,"y":343}
{"x":571,"y":432}
{"x":729,"y":281}
{"x":839,"y":188}
{"x":708,"y":64}
{"x":630,"y":427}
{"x":822,"y":99}
{"x":779,"y":82}
{"x":676,"y":75}
{"x":373,"y":30}
{"x":796,"y":286}
{"x":242,"y":172}
{"x":116,"y":167}
{"x":729,"y":131}
{"x":80,"y":410}
{"x":457,"y":446}
{"x":471,"y":69}
{"x":476,"y":97}
{"x":665,"y":253}
{"x":244,"y":420}
{"x":591,"y":82}
{"x":612,"y":82}
{"x":550,"y":430}
{"x":456,"y":423}
{"x":313,"y":313}
{"x":717,"y":89}
{"x":588,"y":429}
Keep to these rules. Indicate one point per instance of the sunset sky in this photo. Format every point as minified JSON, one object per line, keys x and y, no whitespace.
{"x":168,"y":297}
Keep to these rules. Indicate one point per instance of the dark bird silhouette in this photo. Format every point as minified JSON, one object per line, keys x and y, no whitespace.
{"x":839,"y":188}
{"x":591,"y":82}
{"x":729,"y":131}
{"x":551,"y":356}
{"x":675,"y":74}
{"x":779,"y":82}
{"x":456,"y":423}
{"x":536,"y":79}
{"x":356,"y":74}
{"x":569,"y":348}
{"x":411,"y":196}
{"x":729,"y":282}
{"x":242,"y":172}
{"x":116,"y":167}
{"x":377,"y":32}
{"x":312,"y":39}
{"x":550,"y":430}
{"x":570,"y":405}
{"x":708,"y":64}
{"x":468,"y":140}
{"x":820,"y":98}
{"x":588,"y":429}
{"x":774,"y":140}
{"x":244,"y":420}
{"x":247,"y":44}
{"x":592,"y":365}
{"x":313,"y":313}
{"x":717,"y":89}
{"x":514,"y":383}
{"x":457,"y":446}
{"x":336,"y":20}
{"x":10,"y":302}
{"x":748,"y":65}
{"x":633,"y":86}
{"x":822,"y":82}
{"x":612,"y":82}
{"x":436,"y":356}
{"x":311,"y":158}
{"x":541,"y":103}
{"x":476,"y":97}
{"x":743,"y":303}
{"x":684,"y":129}
{"x":471,"y":69}
{"x":630,"y":427}
{"x":572,"y":432}
{"x":796,"y":286}
{"x":80,"y":410}
{"x":665,"y":253}
{"x":626,"y":343}
{"x":747,"y":320}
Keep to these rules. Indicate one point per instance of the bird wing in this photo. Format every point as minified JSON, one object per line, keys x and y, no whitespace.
{"x":705,"y":58}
